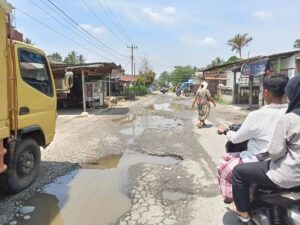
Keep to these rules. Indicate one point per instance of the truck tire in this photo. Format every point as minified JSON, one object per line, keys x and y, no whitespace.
{"x":23,"y":165}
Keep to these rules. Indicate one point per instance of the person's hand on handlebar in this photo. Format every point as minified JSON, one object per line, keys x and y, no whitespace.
{"x":222,"y":131}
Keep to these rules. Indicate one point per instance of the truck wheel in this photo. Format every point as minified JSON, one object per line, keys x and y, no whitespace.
{"x":24,"y":165}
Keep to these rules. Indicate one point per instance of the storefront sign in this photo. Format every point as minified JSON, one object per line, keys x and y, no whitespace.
{"x":255,"y":68}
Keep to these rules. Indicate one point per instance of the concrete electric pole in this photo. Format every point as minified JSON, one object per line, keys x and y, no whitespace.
{"x":132,"y":47}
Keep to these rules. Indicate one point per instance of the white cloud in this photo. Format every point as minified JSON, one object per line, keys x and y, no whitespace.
{"x":166,"y":15}
{"x":92,"y":29}
{"x":263,"y":15}
{"x":200,"y":41}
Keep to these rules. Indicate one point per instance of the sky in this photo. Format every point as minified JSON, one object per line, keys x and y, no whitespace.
{"x":167,"y":32}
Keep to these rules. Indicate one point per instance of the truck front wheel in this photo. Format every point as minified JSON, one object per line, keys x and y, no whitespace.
{"x":23,"y":166}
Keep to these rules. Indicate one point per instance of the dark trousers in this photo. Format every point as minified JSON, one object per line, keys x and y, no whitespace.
{"x":243,"y":176}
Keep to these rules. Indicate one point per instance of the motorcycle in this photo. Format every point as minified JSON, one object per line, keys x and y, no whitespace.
{"x":270,"y":205}
{"x":178,"y":92}
{"x":164,"y":90}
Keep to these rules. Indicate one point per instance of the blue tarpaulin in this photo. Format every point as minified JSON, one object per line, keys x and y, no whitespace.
{"x":255,"y":68}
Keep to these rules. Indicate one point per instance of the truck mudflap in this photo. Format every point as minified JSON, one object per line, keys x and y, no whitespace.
{"x":3,"y":151}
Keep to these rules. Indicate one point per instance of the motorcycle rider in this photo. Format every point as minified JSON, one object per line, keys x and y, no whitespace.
{"x":258,"y":128}
{"x":283,"y":169}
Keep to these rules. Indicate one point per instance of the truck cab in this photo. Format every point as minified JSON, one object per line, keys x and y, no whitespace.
{"x":27,"y":107}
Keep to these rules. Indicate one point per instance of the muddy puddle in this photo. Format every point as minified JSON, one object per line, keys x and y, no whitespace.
{"x":168,"y":107}
{"x":94,"y":194}
{"x":144,"y":122}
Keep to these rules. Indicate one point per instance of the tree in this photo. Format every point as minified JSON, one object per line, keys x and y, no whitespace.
{"x":216,"y":62}
{"x":149,"y":78}
{"x":81,"y":59}
{"x":28,"y":41}
{"x":144,"y":66}
{"x":164,"y":79}
{"x":182,"y":74}
{"x":73,"y":58}
{"x":232,"y":59}
{"x":238,"y":42}
{"x":297,"y":43}
{"x":55,"y":57}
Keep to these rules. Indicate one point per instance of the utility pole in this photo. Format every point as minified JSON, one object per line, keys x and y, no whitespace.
{"x":132,"y":47}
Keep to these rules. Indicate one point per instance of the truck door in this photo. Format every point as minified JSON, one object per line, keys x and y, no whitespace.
{"x":36,"y":91}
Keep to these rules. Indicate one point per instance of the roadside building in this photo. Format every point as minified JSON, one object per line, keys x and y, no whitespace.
{"x":241,"y":82}
{"x":127,"y":81}
{"x":98,"y":79}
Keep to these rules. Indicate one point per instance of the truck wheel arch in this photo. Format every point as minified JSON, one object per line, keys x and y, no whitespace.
{"x":34,"y":132}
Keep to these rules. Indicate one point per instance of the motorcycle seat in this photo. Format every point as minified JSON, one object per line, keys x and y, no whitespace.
{"x":264,"y":189}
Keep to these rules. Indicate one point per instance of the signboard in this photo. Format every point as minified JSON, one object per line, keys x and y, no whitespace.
{"x":255,"y":68}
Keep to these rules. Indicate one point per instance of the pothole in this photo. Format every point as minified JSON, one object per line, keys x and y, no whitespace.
{"x":143,"y":122}
{"x":94,"y":194}
{"x":173,"y":195}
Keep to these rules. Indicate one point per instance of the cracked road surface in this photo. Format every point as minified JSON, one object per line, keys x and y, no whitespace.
{"x":142,"y":163}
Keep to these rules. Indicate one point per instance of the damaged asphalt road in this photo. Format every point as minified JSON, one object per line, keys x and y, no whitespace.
{"x":140,"y":163}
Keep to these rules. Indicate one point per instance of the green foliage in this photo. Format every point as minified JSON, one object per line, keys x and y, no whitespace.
{"x":238,"y":42}
{"x":216,"y":62}
{"x":149,"y":78}
{"x":182,"y":74}
{"x":73,"y":58}
{"x":233,"y":59}
{"x":221,"y":101}
{"x":55,"y":57}
{"x":28,"y":41}
{"x":138,"y":90}
{"x":164,"y":79}
{"x":297,"y":43}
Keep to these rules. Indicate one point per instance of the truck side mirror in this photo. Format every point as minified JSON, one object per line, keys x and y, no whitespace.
{"x":69,"y":80}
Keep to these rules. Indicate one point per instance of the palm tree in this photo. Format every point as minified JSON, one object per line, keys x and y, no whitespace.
{"x":238,"y":42}
{"x":297,"y":43}
{"x":81,"y":59}
{"x":28,"y":41}
{"x":55,"y":57}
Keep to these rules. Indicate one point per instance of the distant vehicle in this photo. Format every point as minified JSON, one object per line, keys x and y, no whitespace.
{"x":164,"y":90}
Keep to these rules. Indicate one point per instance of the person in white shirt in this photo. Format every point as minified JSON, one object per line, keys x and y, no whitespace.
{"x":257,"y":129}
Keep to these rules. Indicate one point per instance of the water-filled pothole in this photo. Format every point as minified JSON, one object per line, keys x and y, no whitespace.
{"x":144,"y":122}
{"x":97,"y":195}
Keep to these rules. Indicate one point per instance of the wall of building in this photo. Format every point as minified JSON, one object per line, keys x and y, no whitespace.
{"x":287,"y":65}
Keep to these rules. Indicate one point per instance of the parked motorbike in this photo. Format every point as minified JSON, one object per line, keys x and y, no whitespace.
{"x":270,"y":205}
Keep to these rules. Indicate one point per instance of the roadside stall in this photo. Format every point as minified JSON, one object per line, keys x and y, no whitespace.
{"x":92,"y":83}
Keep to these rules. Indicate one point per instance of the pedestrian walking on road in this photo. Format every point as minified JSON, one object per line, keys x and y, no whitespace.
{"x":203,"y":99}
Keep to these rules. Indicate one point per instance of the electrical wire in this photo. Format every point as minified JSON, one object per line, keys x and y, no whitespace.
{"x":102,"y":21}
{"x":114,"y":20}
{"x":113,"y":52}
{"x":64,"y":25}
{"x":61,"y":34}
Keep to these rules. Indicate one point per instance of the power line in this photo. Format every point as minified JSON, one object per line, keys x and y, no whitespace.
{"x":61,"y":34}
{"x":115,"y":53}
{"x":114,"y":20}
{"x":64,"y":25}
{"x":101,"y":21}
